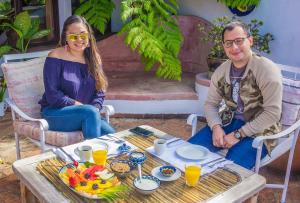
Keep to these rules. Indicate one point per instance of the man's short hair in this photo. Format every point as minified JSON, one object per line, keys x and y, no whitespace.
{"x":232,"y":25}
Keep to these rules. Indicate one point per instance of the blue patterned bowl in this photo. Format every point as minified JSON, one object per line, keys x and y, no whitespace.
{"x":137,"y":158}
{"x":167,"y":171}
{"x":147,"y":185}
{"x":124,"y":148}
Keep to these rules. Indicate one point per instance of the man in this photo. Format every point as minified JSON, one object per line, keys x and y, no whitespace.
{"x":250,"y":85}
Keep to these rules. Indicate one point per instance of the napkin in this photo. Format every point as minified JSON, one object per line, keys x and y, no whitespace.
{"x":171,"y":157}
{"x":112,"y":147}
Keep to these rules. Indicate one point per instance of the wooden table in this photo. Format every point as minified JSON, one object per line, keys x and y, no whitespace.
{"x":35,"y":187}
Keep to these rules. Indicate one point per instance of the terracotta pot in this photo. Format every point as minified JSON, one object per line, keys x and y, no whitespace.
{"x":281,"y":162}
{"x":213,"y":64}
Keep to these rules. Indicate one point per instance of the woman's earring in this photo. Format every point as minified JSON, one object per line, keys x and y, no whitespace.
{"x":67,"y":47}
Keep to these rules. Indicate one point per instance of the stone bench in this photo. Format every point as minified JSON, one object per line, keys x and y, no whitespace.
{"x":130,"y":86}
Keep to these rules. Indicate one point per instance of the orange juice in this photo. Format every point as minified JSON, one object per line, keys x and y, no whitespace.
{"x":100,"y":157}
{"x":192,"y":175}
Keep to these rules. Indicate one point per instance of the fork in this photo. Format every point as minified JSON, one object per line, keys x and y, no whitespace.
{"x":117,"y":140}
{"x":112,"y":140}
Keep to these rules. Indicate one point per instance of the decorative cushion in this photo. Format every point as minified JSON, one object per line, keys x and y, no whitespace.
{"x":60,"y":139}
{"x":291,"y":95}
{"x":25,"y":84}
{"x":290,"y":101}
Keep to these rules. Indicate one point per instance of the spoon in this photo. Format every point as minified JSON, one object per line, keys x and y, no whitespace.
{"x":140,"y":172}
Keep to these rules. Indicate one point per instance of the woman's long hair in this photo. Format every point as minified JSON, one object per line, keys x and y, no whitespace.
{"x":91,"y":53}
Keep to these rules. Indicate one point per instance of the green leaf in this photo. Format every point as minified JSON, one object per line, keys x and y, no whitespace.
{"x":19,"y":32}
{"x":96,"y":12}
{"x":35,"y":25}
{"x":19,"y":44}
{"x":23,"y":22}
{"x":41,"y":34}
{"x":5,"y":49}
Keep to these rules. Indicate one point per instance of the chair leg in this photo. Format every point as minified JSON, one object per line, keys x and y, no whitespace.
{"x":17,"y":146}
{"x":288,"y":168}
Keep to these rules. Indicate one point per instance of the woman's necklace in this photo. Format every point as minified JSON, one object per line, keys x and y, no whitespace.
{"x":77,"y":57}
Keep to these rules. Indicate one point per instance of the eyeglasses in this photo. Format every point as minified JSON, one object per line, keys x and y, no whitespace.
{"x":237,"y":41}
{"x":74,"y":37}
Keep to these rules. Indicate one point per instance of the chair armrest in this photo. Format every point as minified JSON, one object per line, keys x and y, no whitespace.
{"x":192,"y":120}
{"x":257,"y":142}
{"x":16,"y":109}
{"x":108,"y":110}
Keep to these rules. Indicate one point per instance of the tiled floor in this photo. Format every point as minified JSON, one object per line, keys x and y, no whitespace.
{"x":9,"y":185}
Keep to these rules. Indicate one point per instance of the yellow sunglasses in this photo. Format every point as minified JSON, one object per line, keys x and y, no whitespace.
{"x":75,"y":37}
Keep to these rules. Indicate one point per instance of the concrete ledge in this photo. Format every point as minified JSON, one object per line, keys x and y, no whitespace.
{"x":140,"y":86}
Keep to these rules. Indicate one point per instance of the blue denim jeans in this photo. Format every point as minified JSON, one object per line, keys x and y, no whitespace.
{"x":77,"y":117}
{"x":241,"y":153}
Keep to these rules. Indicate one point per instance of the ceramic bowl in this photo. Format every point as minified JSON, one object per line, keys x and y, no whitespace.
{"x":124,"y":148}
{"x":137,"y":158}
{"x":119,"y":171}
{"x":167,"y":171}
{"x":147,"y":185}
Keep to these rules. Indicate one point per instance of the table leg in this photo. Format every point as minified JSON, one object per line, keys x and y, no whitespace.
{"x":252,"y":199}
{"x":26,"y":195}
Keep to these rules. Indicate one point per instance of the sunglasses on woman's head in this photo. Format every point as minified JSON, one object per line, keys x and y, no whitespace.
{"x":74,"y":37}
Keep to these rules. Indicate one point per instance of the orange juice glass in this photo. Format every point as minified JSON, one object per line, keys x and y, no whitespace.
{"x":192,"y":174}
{"x":100,"y":156}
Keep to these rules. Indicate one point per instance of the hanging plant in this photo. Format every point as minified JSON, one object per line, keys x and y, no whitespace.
{"x":240,"y":7}
{"x":240,"y":3}
{"x":96,"y":12}
{"x":152,"y":29}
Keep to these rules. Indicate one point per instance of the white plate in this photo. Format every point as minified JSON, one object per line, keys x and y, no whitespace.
{"x":192,"y":152}
{"x":156,"y":173}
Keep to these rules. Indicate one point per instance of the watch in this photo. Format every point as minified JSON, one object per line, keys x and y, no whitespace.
{"x":238,"y":135}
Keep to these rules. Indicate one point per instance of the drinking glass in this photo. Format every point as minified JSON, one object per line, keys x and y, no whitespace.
{"x":100,"y":156}
{"x":192,"y":174}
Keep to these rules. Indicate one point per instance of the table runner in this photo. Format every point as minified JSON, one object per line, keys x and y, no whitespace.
{"x":175,"y":191}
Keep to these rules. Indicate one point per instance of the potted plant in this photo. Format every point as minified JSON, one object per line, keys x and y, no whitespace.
{"x":2,"y":95}
{"x":240,"y":7}
{"x":27,"y":29}
{"x":213,"y":36}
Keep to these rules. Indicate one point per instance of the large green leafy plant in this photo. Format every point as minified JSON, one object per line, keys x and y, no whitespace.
{"x":152,"y":29}
{"x":96,"y":12}
{"x":27,"y":29}
{"x":213,"y":36}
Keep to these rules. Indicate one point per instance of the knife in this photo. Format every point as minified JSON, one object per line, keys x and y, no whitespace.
{"x":175,"y":140}
{"x":75,"y":163}
{"x":215,"y":160}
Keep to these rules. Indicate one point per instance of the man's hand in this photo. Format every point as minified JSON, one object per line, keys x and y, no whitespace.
{"x":218,"y":136}
{"x":230,"y":140}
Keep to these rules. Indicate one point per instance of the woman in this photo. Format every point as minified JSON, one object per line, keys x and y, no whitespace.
{"x":75,"y":82}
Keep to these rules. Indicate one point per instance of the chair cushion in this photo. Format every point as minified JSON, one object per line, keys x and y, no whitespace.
{"x":290,"y":100}
{"x":60,"y":139}
{"x":24,"y":76}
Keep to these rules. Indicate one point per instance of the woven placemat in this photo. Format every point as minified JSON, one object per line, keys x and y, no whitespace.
{"x":175,"y":191}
